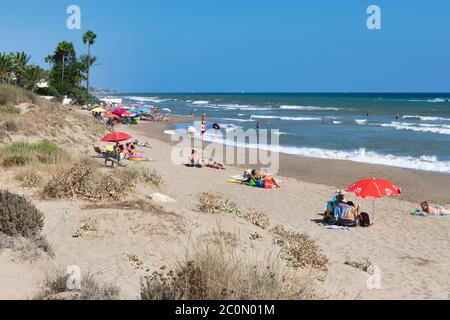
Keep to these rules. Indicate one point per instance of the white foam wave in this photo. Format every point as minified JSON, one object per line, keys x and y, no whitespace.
{"x":237,"y":120}
{"x":200,"y":102}
{"x":423,"y":163}
{"x":146,"y":99}
{"x":361,"y":121}
{"x":308,"y":108}
{"x":337,"y":122}
{"x":425,"y":118}
{"x":417,"y":128}
{"x":286,"y":118}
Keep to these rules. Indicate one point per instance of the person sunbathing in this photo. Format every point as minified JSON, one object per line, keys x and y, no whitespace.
{"x":215,"y":165}
{"x":133,"y":151}
{"x":256,"y":175}
{"x":433,"y":209}
{"x":194,"y":162}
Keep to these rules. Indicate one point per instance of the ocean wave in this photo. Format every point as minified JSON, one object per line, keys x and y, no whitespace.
{"x":146,"y":99}
{"x":200,"y":102}
{"x":337,"y":122}
{"x":423,"y":163}
{"x":286,"y":118}
{"x":418,"y":128}
{"x":308,"y":108}
{"x":361,"y":121}
{"x":237,"y":120}
{"x":425,"y":118}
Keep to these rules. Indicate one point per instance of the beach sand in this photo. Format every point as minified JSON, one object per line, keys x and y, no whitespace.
{"x":411,"y":252}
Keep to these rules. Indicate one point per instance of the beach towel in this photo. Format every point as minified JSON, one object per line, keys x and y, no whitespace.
{"x":334,"y":227}
{"x":420,"y":213}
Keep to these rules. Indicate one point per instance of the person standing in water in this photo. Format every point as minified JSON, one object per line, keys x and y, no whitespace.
{"x":258,"y":125}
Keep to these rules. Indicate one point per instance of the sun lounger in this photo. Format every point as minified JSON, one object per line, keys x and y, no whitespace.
{"x":113,"y":158}
{"x":99,"y":152}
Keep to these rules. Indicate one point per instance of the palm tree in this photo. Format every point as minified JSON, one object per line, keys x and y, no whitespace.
{"x":6,"y":66}
{"x":33,"y":74}
{"x":64,"y":49}
{"x":88,"y":62}
{"x":89,"y":37}
{"x":20,"y":61}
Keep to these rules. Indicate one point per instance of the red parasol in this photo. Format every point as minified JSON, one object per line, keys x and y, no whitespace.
{"x":116,"y":137}
{"x":374,"y":188}
{"x":119,"y":112}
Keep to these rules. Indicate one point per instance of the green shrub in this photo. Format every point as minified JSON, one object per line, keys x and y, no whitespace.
{"x":19,"y":217}
{"x":9,"y":109}
{"x":23,"y":153}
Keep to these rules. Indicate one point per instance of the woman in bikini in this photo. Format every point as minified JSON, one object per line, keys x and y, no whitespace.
{"x":433,"y":209}
{"x":256,"y":175}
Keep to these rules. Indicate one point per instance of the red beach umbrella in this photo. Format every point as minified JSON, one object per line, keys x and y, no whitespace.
{"x":119,"y":112}
{"x":374,"y":188}
{"x":116,"y":137}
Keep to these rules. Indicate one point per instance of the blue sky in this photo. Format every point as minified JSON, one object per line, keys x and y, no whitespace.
{"x":246,"y":45}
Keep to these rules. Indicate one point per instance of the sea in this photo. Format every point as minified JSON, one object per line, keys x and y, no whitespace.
{"x":410,"y":130}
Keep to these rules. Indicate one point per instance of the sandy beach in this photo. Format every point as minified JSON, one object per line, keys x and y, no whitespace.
{"x":409,"y":252}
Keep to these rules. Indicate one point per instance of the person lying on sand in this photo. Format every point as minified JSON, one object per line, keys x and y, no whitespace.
{"x":256,"y":175}
{"x":433,"y":209}
{"x":215,"y":165}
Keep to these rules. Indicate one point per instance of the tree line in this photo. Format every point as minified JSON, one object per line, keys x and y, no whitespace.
{"x":65,"y":75}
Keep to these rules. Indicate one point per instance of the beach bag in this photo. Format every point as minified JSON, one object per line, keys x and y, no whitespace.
{"x":347,"y":223}
{"x":260,"y":183}
{"x":268,"y":184}
{"x":364,"y":220}
{"x":252,"y":183}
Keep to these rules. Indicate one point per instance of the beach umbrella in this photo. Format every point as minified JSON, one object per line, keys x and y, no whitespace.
{"x":128,"y":115}
{"x":101,"y":110}
{"x":119,"y":112}
{"x":116,"y":137}
{"x":374,"y":188}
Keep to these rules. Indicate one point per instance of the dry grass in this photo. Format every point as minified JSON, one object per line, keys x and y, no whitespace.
{"x":217,"y":272}
{"x":360,"y":265}
{"x":152,"y":177}
{"x":88,"y":183}
{"x":55,"y":288}
{"x":29,"y":178}
{"x":12,"y":95}
{"x":258,"y":219}
{"x":299,"y":250}
{"x":209,"y":203}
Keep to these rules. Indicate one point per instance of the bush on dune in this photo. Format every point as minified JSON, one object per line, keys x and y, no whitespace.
{"x":55,"y":287}
{"x":24,"y":153}
{"x":81,"y":181}
{"x":13,"y":95}
{"x":219,"y":273}
{"x":19,"y":218}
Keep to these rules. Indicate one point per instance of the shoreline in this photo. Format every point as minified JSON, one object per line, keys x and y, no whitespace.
{"x":417,"y":186}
